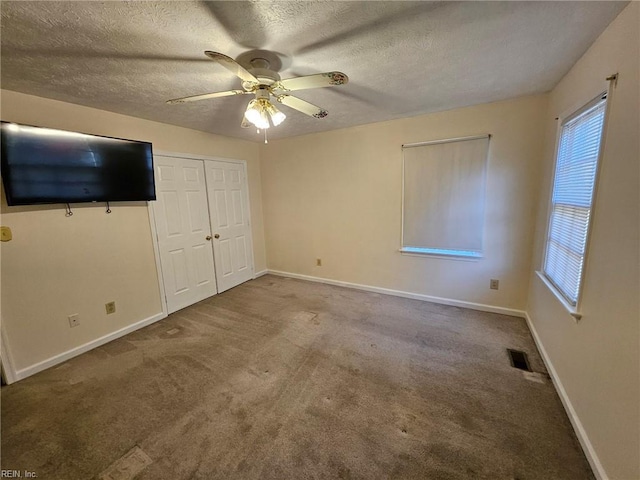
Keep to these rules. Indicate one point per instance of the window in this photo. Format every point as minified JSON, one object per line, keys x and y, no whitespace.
{"x":443,"y":197}
{"x":572,"y":198}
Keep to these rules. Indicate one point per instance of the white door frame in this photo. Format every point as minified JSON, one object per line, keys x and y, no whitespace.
{"x":156,"y":253}
{"x":152,"y":218}
{"x":8,"y":370}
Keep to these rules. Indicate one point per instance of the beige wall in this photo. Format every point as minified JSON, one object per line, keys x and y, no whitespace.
{"x":337,"y":196}
{"x":597,"y":359}
{"x":57,"y":266}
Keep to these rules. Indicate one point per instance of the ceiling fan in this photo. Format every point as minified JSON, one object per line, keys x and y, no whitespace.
{"x":262,"y":82}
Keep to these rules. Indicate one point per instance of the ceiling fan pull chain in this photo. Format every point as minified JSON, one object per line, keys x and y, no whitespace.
{"x":265,"y":136}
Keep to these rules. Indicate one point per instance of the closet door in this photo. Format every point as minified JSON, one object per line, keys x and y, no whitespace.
{"x":229,"y":209}
{"x":184,"y":232}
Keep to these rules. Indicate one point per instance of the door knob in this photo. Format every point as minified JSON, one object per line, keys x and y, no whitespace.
{"x":216,"y":236}
{"x":208,"y":237}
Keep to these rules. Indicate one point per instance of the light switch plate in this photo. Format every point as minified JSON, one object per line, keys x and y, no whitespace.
{"x":5,"y":234}
{"x":110,"y":307}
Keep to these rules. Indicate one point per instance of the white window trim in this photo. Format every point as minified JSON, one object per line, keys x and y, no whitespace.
{"x":433,"y":252}
{"x":575,"y":310}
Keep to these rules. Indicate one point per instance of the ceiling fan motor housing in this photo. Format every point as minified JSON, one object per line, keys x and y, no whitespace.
{"x":262,"y":92}
{"x":260,"y":69}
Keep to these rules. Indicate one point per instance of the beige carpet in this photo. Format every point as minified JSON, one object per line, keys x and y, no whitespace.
{"x":285,"y":379}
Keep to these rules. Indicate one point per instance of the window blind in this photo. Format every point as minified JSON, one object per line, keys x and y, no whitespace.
{"x":443,"y":197}
{"x":572,"y":198}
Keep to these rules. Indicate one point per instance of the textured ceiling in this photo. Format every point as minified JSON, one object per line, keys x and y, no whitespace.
{"x":402,"y":58}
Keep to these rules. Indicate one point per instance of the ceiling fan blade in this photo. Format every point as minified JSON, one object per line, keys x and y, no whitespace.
{"x":245,"y":123}
{"x":327,"y":79}
{"x":231,"y":65}
{"x":302,"y":106}
{"x":195,"y":98}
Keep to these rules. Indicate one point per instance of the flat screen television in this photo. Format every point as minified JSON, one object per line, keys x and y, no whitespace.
{"x":42,"y":165}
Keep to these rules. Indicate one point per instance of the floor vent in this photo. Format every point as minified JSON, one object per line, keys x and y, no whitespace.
{"x":518,"y":359}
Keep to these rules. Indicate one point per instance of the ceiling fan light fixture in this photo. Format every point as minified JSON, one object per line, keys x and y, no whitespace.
{"x":257,"y":114}
{"x":263,"y":114}
{"x":277,"y":117}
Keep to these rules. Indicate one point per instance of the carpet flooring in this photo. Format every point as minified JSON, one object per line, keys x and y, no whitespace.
{"x":285,"y":379}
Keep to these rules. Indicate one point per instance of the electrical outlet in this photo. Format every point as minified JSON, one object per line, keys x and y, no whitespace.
{"x":74,"y":320}
{"x":494,"y":284}
{"x":318,"y":262}
{"x":110,"y":307}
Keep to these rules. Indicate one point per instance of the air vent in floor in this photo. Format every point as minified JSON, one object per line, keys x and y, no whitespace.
{"x":518,"y":359}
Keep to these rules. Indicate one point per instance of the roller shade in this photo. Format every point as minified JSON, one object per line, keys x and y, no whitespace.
{"x":443,"y":197}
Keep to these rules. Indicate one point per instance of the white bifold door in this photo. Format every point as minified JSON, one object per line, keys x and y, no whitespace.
{"x":202,"y":222}
{"x":232,"y":245}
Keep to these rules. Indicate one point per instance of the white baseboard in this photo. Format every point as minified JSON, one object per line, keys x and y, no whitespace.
{"x":260,"y":273}
{"x":74,"y":352}
{"x":400,"y":293}
{"x":587,"y":447}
